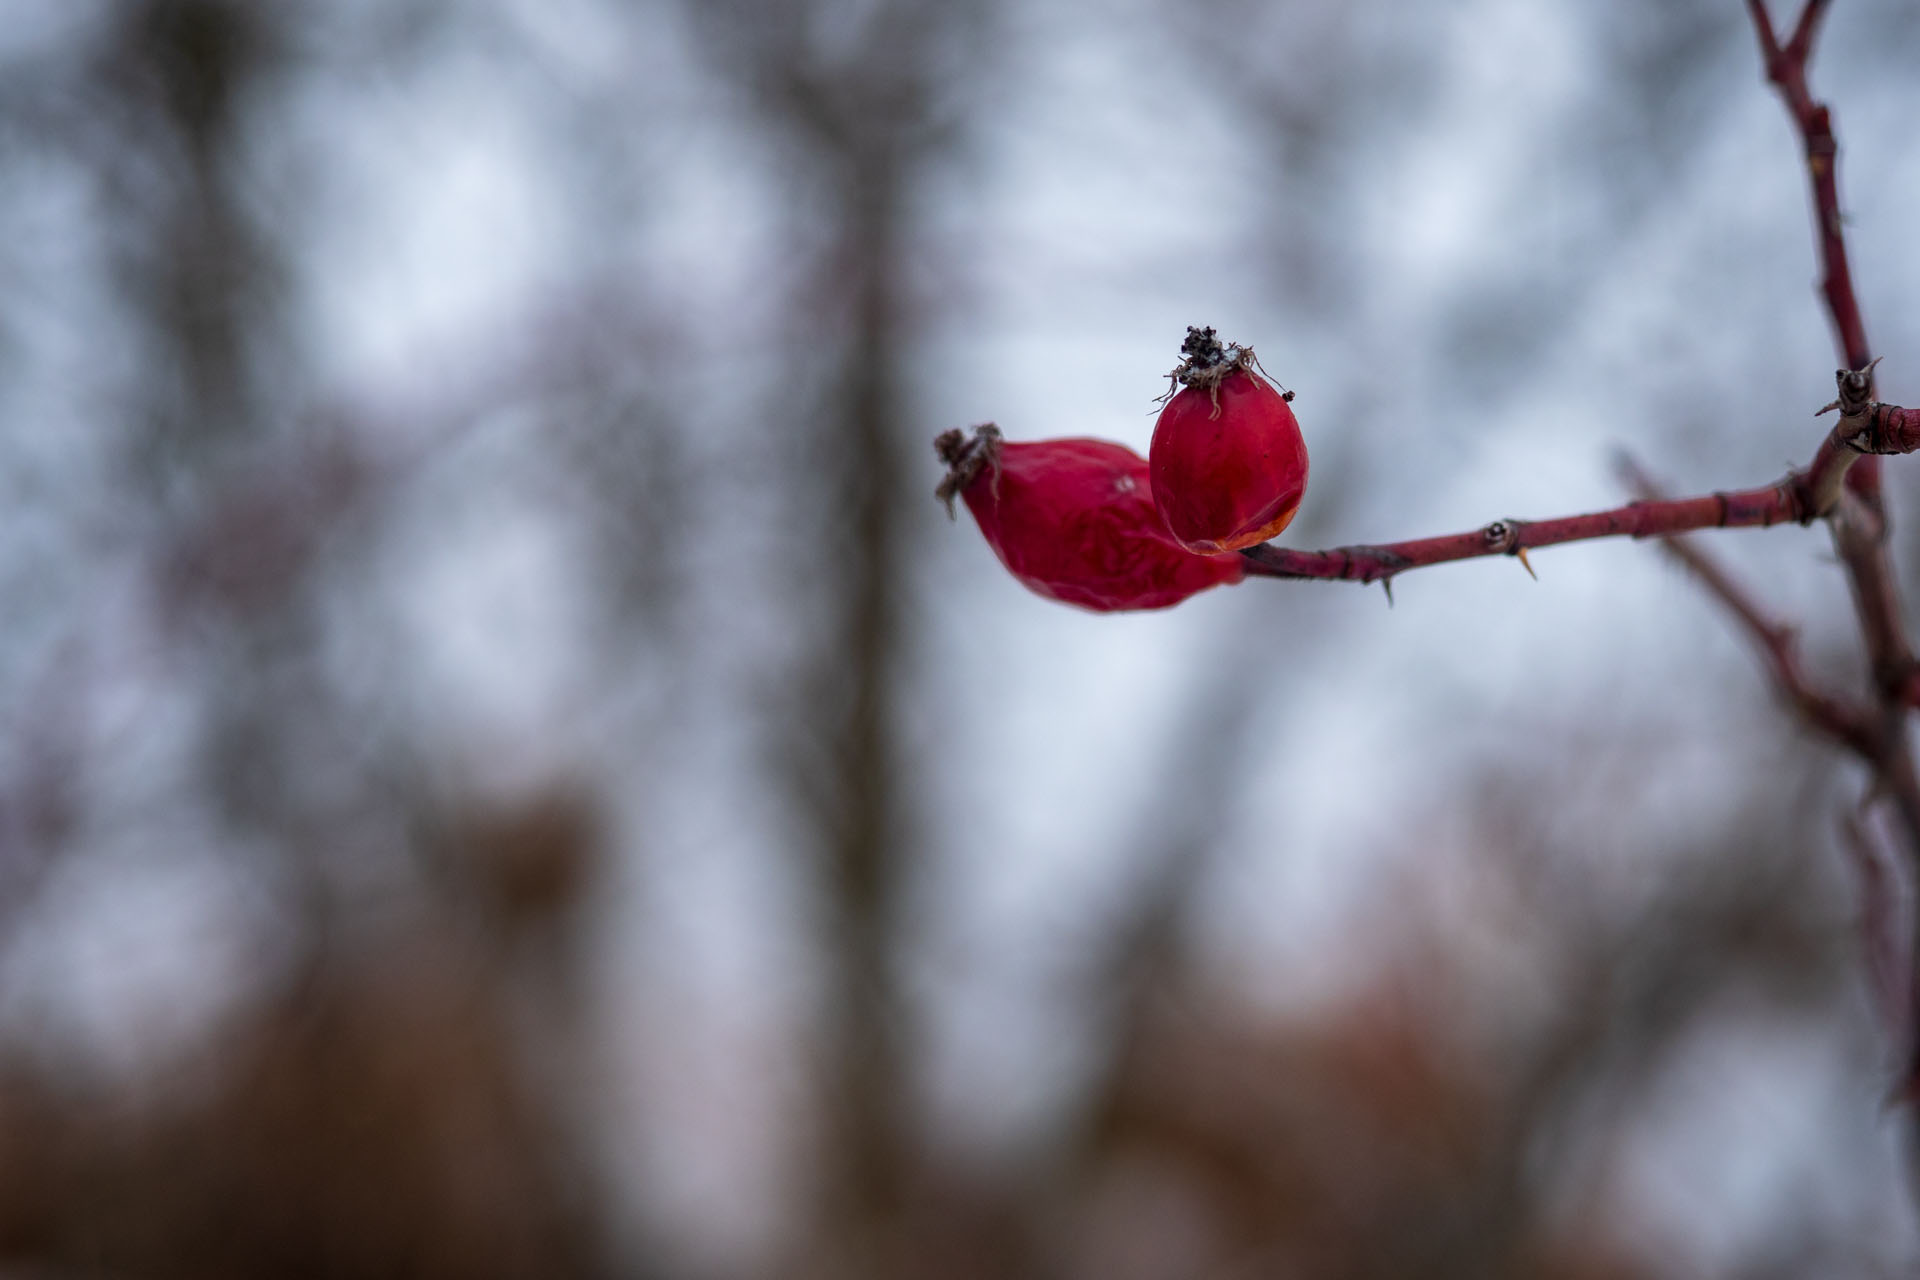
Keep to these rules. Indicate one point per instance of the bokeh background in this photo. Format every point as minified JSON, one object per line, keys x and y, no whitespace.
{"x":505,"y":770}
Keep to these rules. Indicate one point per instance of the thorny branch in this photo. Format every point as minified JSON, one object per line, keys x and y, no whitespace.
{"x":1786,"y":68}
{"x":1780,"y":503}
{"x":1860,"y":523}
{"x":1866,"y":427}
{"x":1841,"y":485}
{"x":1845,"y":721}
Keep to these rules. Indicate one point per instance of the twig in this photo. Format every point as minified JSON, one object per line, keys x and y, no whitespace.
{"x":1848,"y":723}
{"x":1787,"y":70}
{"x":1860,"y":534}
{"x":1859,"y":524}
{"x":1883,"y":939}
{"x":1866,"y":427}
{"x":1781,"y":503}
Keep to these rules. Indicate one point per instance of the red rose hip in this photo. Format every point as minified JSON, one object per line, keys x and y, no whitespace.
{"x":1227,"y":463}
{"x":1074,"y":520}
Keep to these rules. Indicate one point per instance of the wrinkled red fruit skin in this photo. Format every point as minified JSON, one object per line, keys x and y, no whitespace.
{"x":1074,"y":520}
{"x":1227,"y":480}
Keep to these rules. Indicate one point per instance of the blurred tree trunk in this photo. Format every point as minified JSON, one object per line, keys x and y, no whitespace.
{"x":858,"y":93}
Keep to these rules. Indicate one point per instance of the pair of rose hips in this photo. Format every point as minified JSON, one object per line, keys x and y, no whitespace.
{"x":1092,"y":523}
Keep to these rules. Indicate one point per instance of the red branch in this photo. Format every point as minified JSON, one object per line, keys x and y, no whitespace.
{"x":1848,"y":723}
{"x":1865,"y":427}
{"x":1860,"y":526}
{"x":1787,"y":70}
{"x":1886,"y":428}
{"x":1845,"y":459}
{"x":1782,"y":503}
{"x":1841,"y":484}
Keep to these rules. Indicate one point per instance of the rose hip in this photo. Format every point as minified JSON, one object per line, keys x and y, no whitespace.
{"x":1075,"y":521}
{"x":1227,"y":461}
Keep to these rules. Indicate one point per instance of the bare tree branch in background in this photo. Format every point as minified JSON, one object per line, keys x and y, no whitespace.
{"x":396,"y":1095}
{"x":861,"y":94}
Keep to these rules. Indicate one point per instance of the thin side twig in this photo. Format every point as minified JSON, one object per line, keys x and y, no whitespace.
{"x":1850,"y":724}
{"x":1884,"y":938}
{"x":1786,"y":68}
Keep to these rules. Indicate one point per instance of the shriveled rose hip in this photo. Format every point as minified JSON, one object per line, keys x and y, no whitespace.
{"x":1228,"y":465}
{"x":1074,"y":520}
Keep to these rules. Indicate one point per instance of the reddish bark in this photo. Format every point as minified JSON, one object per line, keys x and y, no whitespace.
{"x":1781,"y":503}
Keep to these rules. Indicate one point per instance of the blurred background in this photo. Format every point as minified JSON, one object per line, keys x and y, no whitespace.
{"x":505,"y":770}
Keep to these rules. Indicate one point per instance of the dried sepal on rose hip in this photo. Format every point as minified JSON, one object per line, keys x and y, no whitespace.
{"x":1074,"y":520}
{"x":1228,"y":465}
